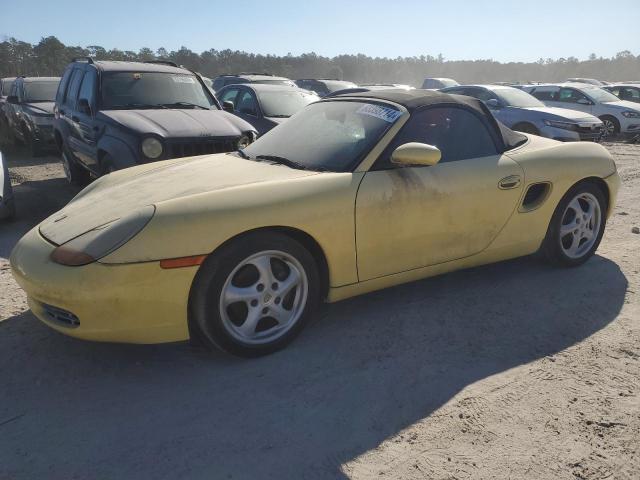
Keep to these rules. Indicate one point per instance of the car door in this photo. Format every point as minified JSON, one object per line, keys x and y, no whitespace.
{"x":574,"y":99}
{"x":70,"y":115}
{"x":86,"y":129}
{"x":229,"y":94}
{"x":10,"y":108}
{"x":413,"y":217}
{"x":249,"y":109}
{"x":630,"y":94}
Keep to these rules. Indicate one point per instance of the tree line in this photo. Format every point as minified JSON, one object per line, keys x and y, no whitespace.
{"x":49,"y":57}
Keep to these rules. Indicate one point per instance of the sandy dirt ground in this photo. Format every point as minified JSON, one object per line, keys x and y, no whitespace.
{"x":510,"y":371}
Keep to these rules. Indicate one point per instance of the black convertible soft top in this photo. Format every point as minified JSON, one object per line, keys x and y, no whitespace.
{"x":416,"y":99}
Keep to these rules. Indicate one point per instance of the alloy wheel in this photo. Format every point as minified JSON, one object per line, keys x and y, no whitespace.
{"x":263,"y":297}
{"x":580,"y":225}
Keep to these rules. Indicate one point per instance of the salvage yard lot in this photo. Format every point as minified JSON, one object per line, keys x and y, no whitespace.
{"x":513,"y":370}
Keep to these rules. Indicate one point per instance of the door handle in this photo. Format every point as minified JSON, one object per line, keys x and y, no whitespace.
{"x":512,"y":181}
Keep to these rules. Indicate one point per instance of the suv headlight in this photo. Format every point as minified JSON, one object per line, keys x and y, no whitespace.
{"x":562,"y":125}
{"x":631,"y":114}
{"x":246,"y":139}
{"x":152,"y":147}
{"x":99,"y":242}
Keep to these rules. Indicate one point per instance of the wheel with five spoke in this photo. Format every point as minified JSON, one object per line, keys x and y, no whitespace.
{"x":254,"y":295}
{"x":577,"y":225}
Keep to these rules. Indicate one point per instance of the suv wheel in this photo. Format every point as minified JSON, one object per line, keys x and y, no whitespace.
{"x":76,"y":175}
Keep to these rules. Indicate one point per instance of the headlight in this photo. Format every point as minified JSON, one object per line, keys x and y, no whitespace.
{"x":562,"y":125}
{"x":631,"y":114}
{"x":99,"y":242}
{"x":246,"y":139}
{"x":151,"y":147}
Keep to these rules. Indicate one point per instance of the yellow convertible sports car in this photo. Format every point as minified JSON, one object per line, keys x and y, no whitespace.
{"x":353,"y":194}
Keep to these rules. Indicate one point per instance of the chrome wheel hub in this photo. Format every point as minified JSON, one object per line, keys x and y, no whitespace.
{"x":263,"y":297}
{"x":608,"y":128}
{"x":580,"y":225}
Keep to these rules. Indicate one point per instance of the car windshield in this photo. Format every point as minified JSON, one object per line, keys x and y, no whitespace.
{"x":330,"y":135}
{"x":40,"y":91}
{"x":447,"y":82}
{"x":600,"y":95}
{"x":335,"y":85}
{"x":284,"y":103}
{"x":6,"y":87}
{"x":512,"y":97}
{"x":153,"y":89}
{"x":288,"y":83}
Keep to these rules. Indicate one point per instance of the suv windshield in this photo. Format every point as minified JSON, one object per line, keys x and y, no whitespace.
{"x":513,"y":97}
{"x":600,"y":95}
{"x":153,"y":89}
{"x":330,"y":135}
{"x":40,"y":91}
{"x":283,"y":103}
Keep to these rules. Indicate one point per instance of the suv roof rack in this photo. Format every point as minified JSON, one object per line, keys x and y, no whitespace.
{"x":82,"y":59}
{"x":163,"y":62}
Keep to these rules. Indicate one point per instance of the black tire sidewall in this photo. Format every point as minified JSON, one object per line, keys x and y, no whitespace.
{"x":552,"y":247}
{"x":78,"y":175}
{"x":205,"y":322}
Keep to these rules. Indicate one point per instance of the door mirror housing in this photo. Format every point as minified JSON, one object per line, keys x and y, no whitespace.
{"x":411,"y":154}
{"x":228,"y":106}
{"x":84,"y":107}
{"x":493,"y":103}
{"x":12,"y":99}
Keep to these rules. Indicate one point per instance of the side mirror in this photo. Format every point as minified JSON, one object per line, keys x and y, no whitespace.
{"x":493,"y":103}
{"x":228,"y":106}
{"x":84,"y":107}
{"x":416,"y":154}
{"x":12,"y":99}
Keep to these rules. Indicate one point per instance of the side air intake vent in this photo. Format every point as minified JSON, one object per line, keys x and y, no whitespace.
{"x":535,"y":196}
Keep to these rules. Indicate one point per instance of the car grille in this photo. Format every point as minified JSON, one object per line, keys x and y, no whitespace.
{"x":593,"y":132}
{"x":60,"y":316}
{"x":200,"y":146}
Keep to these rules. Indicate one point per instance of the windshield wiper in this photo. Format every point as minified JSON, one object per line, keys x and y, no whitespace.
{"x":288,"y":163}
{"x":134,"y":105}
{"x":243,"y":155}
{"x":182,"y":104}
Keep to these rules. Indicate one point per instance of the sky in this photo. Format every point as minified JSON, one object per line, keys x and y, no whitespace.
{"x":459,"y":30}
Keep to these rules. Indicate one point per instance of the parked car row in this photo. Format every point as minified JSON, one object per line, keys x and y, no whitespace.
{"x":104,"y":116}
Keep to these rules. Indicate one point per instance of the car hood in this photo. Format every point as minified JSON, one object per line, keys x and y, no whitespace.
{"x":123,"y":192}
{"x":565,"y":113}
{"x":41,"y":108}
{"x":180,"y":123}
{"x":623,"y":105}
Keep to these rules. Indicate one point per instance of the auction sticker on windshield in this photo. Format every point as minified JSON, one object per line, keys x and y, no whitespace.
{"x":383,"y":113}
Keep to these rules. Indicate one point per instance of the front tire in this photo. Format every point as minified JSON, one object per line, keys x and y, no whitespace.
{"x":610,"y":126}
{"x":253,"y":296}
{"x":76,"y":175}
{"x":577,"y":226}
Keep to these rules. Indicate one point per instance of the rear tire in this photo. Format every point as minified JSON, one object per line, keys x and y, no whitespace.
{"x":76,"y":175}
{"x":577,"y":226}
{"x":254,"y":295}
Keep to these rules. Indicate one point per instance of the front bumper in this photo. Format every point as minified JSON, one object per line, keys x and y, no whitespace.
{"x":129,"y":303}
{"x":584,"y":133}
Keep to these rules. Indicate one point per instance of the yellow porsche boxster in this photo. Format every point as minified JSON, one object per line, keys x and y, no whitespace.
{"x":353,"y":194}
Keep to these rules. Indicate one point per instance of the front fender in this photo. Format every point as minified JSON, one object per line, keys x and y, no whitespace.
{"x":122,"y":154}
